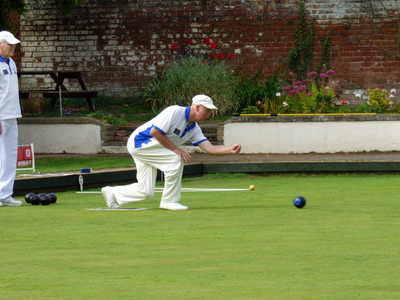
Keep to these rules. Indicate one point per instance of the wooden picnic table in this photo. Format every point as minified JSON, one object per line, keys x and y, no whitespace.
{"x":60,"y":90}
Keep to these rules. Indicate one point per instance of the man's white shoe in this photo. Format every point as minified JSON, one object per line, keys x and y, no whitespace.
{"x":173,"y":206}
{"x":109,"y":197}
{"x":12,"y":202}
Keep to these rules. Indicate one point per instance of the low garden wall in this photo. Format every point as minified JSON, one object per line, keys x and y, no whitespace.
{"x":64,"y":135}
{"x":314,"y":133}
{"x":256,"y":134}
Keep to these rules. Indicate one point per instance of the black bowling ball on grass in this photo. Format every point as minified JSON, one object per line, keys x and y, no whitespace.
{"x":34,"y":199}
{"x":44,"y":199}
{"x":28,"y":197}
{"x":53,"y":197}
{"x":299,"y":201}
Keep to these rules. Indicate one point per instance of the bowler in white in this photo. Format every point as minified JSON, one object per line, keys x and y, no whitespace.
{"x":10,"y":110}
{"x":156,"y":145}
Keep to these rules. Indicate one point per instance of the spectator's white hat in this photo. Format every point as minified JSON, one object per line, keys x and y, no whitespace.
{"x":204,"y":100}
{"x":9,"y":38}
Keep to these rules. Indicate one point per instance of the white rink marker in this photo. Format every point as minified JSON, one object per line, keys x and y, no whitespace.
{"x":183,"y":190}
{"x":121,"y":208}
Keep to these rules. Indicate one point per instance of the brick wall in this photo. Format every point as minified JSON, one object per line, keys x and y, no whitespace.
{"x":121,"y":44}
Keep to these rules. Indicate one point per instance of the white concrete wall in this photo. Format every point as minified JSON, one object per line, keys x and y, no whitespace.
{"x":59,"y":138}
{"x":319,"y":134}
{"x":319,"y":137}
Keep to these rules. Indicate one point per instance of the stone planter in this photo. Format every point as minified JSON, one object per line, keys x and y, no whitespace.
{"x":314,"y":133}
{"x":63,"y":135}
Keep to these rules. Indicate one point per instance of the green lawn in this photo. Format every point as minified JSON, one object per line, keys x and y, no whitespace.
{"x":51,"y":164}
{"x":343,"y":244}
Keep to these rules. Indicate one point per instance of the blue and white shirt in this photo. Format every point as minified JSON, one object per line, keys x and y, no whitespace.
{"x":173,"y":122}
{"x":9,"y":95}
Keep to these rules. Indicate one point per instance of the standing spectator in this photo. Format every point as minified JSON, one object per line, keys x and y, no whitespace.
{"x":156,"y":145}
{"x":10,"y":110}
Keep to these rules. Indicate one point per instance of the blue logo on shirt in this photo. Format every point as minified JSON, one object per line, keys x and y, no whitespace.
{"x":177,"y":131}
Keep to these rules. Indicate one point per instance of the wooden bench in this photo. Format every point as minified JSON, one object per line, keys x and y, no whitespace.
{"x":54,"y":95}
{"x":58,"y":77}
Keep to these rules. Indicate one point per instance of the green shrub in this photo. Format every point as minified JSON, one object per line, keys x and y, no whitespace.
{"x":109,"y":118}
{"x":263,"y":93}
{"x":185,"y":78}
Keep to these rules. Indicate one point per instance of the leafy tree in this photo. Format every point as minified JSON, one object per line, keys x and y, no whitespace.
{"x":8,"y":7}
{"x":19,"y":7}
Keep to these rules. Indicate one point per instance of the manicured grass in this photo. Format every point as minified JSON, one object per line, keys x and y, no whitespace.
{"x":343,"y":244}
{"x":48,"y":165}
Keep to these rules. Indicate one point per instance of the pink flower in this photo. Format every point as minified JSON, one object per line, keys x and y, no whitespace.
{"x":309,"y":94}
{"x":301,"y":87}
{"x":393,"y":91}
{"x":330,"y":72}
{"x":298,"y":82}
{"x":292,"y":92}
{"x":312,"y":74}
{"x":287,"y":88}
{"x":323,"y":75}
{"x":307,"y":80}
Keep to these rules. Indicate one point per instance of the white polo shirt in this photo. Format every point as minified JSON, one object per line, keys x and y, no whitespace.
{"x":9,"y":95}
{"x":173,"y":122}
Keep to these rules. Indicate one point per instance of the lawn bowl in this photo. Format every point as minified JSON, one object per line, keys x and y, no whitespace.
{"x":44,"y":199}
{"x":299,"y":201}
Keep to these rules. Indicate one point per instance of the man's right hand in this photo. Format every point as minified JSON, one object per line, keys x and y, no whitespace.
{"x":183,"y":154}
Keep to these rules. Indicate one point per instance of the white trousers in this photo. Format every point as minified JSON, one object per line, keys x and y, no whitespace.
{"x":8,"y":157}
{"x":147,"y":161}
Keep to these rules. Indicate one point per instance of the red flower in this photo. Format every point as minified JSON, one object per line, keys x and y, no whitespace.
{"x":174,"y":46}
{"x":221,"y":56}
{"x":203,"y":62}
{"x":229,"y":56}
{"x":211,"y":55}
{"x":207,"y":41}
{"x":213,"y":45}
{"x":343,"y":102}
{"x":188,"y":41}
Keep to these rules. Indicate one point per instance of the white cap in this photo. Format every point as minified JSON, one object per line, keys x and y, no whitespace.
{"x":204,"y":100}
{"x":8,"y":37}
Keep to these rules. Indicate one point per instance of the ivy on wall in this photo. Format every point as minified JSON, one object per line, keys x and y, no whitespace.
{"x":301,"y":56}
{"x":9,"y":7}
{"x":19,"y":7}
